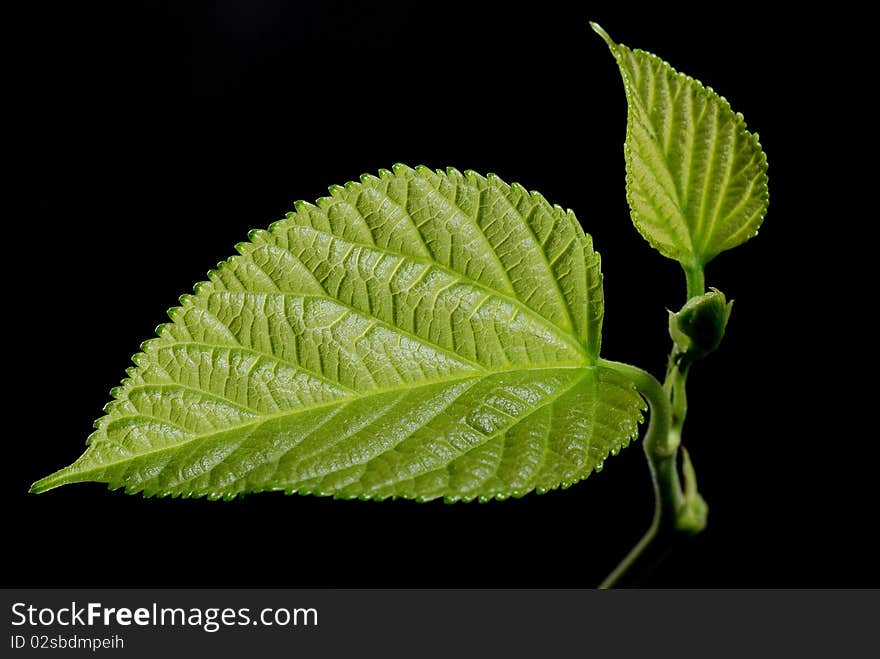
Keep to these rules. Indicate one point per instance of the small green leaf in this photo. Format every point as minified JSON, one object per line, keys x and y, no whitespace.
{"x":418,"y":334}
{"x":696,"y":178}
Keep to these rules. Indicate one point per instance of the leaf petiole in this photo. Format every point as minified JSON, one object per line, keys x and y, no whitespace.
{"x":696,"y":281}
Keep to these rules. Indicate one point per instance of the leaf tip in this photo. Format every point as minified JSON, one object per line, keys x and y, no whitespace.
{"x":602,"y":33}
{"x":50,"y":482}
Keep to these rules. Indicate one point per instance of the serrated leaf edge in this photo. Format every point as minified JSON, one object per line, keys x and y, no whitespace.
{"x":688,"y":260}
{"x":118,"y":393}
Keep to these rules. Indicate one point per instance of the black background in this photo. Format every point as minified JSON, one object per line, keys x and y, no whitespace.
{"x":147,"y":138}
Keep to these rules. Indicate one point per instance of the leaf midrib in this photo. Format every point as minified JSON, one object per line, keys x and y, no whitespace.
{"x":58,"y":478}
{"x":662,"y":156}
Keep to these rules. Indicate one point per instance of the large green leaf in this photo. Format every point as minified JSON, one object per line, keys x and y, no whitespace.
{"x":696,"y":178}
{"x":418,"y":334}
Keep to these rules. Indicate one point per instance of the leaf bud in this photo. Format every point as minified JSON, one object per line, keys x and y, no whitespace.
{"x":699,"y":327}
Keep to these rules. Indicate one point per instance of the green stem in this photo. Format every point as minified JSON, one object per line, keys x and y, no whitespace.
{"x":675,"y":511}
{"x":661,"y":448}
{"x":675,"y":387}
{"x":696,"y":281}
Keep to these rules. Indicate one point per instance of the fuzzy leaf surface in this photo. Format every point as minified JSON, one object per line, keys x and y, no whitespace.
{"x":417,"y":334}
{"x":696,"y":179}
